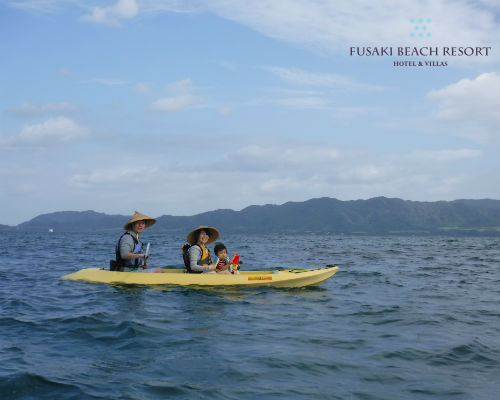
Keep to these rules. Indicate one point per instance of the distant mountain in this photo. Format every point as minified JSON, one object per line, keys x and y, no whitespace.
{"x":68,"y":221}
{"x":5,"y":228}
{"x":378,"y":215}
{"x":374,"y":216}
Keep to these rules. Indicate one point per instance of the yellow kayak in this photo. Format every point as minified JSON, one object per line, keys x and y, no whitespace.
{"x":283,"y":278}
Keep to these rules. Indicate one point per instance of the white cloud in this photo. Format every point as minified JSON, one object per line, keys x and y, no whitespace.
{"x":225,"y":109}
{"x":319,"y":24}
{"x":115,"y":176}
{"x":36,"y":110}
{"x":469,"y":99}
{"x":142,"y":88}
{"x":180,"y":87}
{"x":319,"y":91}
{"x":490,"y":3}
{"x":113,"y":16}
{"x":321,"y":99}
{"x":300,"y":99}
{"x":179,"y":96}
{"x":53,"y":131}
{"x":445,"y":155}
{"x":106,"y":81}
{"x":273,"y":185}
{"x":172,"y":104}
{"x":364,"y":173}
{"x":313,"y":90}
{"x":48,"y":6}
{"x":304,"y":78}
{"x":335,"y":25}
{"x":312,"y":102}
{"x":119,"y":9}
{"x":280,"y":156}
{"x":285,"y":170}
{"x":59,"y":129}
{"x":471,"y":106}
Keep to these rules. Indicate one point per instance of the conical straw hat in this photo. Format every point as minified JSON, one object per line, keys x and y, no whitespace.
{"x":213,"y":234}
{"x":139,"y":217}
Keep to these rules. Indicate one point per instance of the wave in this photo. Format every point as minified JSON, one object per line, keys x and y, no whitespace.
{"x":29,"y":386}
{"x":474,"y":353}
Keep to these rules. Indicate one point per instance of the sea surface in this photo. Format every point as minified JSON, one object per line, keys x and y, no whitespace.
{"x":404,"y":318}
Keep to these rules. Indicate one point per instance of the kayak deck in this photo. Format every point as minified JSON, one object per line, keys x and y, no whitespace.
{"x":279,"y":278}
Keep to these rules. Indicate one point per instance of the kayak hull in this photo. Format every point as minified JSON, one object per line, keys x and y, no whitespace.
{"x":282,"y":278}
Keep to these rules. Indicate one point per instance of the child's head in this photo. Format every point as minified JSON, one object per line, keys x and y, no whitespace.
{"x":220,"y":250}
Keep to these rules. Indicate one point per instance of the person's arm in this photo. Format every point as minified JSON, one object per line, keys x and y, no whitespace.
{"x":194,"y":256}
{"x":127,"y":248}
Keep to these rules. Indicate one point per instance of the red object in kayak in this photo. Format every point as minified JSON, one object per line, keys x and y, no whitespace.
{"x":236,"y":259}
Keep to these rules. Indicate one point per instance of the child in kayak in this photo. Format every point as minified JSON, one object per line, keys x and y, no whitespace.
{"x":223,"y":264}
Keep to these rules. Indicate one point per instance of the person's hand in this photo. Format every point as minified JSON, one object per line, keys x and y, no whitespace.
{"x":224,"y":267}
{"x":212,"y":267}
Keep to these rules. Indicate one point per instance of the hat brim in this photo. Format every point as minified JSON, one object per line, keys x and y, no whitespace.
{"x":139,"y":217}
{"x":213,"y":234}
{"x":149,"y":222}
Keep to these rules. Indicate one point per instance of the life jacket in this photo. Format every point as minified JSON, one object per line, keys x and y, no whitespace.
{"x":120,"y":262}
{"x":205,"y":256}
{"x":203,"y":261}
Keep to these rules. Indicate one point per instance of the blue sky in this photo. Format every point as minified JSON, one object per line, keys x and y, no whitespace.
{"x":180,"y":107}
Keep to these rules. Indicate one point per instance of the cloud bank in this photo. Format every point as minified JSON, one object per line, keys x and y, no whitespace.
{"x":323,"y":25}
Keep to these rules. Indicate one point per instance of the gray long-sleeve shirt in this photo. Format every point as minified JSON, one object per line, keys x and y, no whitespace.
{"x":195,"y":254}
{"x":127,"y":245}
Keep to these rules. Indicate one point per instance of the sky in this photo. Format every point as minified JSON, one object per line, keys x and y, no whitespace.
{"x":174,"y":107}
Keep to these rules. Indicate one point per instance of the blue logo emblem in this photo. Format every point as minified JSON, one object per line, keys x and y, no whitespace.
{"x":420,"y":27}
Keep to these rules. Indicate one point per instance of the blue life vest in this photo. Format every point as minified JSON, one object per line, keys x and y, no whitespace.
{"x":126,"y":263}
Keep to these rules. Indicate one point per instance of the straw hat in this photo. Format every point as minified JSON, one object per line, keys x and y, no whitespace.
{"x":139,"y":217}
{"x":213,"y":234}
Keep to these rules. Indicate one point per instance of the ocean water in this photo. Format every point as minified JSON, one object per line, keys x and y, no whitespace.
{"x":404,"y":318}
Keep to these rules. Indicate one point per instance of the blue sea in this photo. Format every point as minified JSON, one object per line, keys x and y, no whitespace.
{"x":404,"y":318}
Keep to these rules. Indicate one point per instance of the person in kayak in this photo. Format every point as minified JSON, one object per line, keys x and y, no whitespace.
{"x":129,"y":249}
{"x":223,"y":263}
{"x":199,"y":260}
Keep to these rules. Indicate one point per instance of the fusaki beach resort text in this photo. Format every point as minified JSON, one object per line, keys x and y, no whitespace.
{"x":417,"y":52}
{"x":425,"y":51}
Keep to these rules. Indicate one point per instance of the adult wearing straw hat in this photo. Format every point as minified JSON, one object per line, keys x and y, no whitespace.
{"x":129,"y":249}
{"x":198,"y":254}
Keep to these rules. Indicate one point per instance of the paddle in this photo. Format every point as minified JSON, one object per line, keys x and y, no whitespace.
{"x":146,"y":255}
